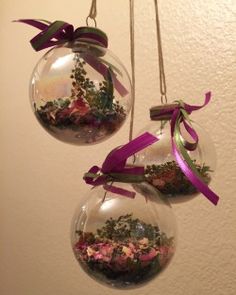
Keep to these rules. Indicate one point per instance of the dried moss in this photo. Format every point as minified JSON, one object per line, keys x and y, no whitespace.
{"x":169,"y":179}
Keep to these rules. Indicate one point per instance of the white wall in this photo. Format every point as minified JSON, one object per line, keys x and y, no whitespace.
{"x":41,"y":178}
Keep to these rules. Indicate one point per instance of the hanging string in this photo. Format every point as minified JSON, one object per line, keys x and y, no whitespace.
{"x":132,"y":53}
{"x":93,"y":13}
{"x":163,"y":88}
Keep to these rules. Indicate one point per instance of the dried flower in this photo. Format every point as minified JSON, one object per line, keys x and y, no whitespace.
{"x":126,"y":249}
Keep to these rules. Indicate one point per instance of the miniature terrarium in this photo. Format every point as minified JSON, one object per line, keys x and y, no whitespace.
{"x":161,"y":168}
{"x":122,"y":242}
{"x":80,"y":92}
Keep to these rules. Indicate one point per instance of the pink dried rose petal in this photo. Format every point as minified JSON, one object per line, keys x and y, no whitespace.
{"x":98,"y":256}
{"x":106,"y":250}
{"x":148,"y":256}
{"x":79,"y":106}
{"x":102,"y":252}
{"x":80,"y":246}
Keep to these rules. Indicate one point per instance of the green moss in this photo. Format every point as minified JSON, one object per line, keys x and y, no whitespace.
{"x":169,"y":179}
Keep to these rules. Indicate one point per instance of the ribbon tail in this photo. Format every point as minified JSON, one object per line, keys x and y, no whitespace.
{"x":39,"y":24}
{"x":185,"y":162}
{"x":191,"y":108}
{"x":120,"y":155}
{"x":102,"y":69}
{"x":194,"y":179}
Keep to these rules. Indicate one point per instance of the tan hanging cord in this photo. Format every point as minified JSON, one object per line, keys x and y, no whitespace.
{"x":93,"y":13}
{"x":163,"y":88}
{"x":132,"y":53}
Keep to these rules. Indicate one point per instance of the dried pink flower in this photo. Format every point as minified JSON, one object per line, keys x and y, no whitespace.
{"x":149,"y":256}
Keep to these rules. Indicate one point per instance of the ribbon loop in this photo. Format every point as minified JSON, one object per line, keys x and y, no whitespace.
{"x":56,"y":33}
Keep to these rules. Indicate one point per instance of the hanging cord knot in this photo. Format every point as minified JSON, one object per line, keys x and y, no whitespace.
{"x":93,"y":13}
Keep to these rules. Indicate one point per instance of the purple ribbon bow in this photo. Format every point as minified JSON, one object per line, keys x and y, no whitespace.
{"x":114,"y":167}
{"x":59,"y":32}
{"x":179,"y":113}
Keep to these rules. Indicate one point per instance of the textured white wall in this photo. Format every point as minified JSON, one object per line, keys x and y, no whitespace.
{"x":41,"y":178}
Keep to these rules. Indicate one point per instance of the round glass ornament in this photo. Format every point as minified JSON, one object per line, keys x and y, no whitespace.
{"x":122,"y":242}
{"x":80,"y":91}
{"x":161,"y":168}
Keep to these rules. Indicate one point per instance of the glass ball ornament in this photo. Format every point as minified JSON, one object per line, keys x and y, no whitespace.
{"x":122,"y":242}
{"x":162,"y":170}
{"x":81,"y":92}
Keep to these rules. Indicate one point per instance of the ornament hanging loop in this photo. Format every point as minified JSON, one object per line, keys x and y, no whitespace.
{"x":94,"y":20}
{"x":92,"y":14}
{"x":164,"y":99}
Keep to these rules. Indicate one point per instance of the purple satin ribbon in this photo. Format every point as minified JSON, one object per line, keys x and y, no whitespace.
{"x":169,"y":109}
{"x":115,"y":164}
{"x":179,"y":114}
{"x":194,"y":179}
{"x":46,"y":39}
{"x":60,"y":32}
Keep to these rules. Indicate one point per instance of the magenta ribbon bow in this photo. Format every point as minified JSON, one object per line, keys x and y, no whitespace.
{"x":114,"y":167}
{"x":179,"y":113}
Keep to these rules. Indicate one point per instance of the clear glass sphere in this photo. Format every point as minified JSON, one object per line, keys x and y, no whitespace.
{"x":162,"y":170}
{"x":122,"y":242}
{"x":80,"y":93}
